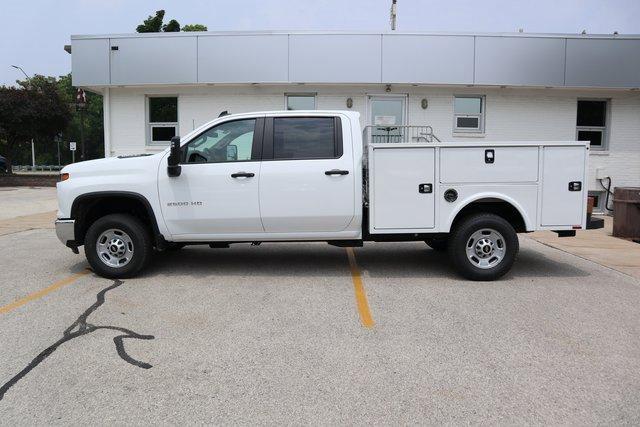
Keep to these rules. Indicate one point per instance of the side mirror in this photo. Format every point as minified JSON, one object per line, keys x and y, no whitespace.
{"x":232,"y":153}
{"x":173,"y":161}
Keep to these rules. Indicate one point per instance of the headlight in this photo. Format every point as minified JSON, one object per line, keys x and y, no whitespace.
{"x":64,"y":176}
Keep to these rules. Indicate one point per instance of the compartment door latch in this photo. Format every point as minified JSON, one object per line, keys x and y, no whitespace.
{"x":575,"y":186}
{"x":489,"y":156}
{"x":425,"y":188}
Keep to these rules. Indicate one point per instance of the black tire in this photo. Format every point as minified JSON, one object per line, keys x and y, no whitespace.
{"x":439,"y":244}
{"x":461,"y":237}
{"x":140,"y":238}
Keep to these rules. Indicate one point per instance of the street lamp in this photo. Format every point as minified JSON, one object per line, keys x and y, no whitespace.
{"x":20,"y":68}
{"x":33,"y":148}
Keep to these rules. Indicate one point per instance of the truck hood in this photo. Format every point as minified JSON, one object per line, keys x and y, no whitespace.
{"x":113,"y":166}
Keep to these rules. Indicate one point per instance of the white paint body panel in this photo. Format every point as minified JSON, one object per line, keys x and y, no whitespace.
{"x":515,"y":177}
{"x":224,"y":205}
{"x":395,"y":177}
{"x":467,"y":165}
{"x":559,"y":205}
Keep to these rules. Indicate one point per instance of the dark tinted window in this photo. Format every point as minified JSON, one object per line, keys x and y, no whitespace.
{"x":468,"y":122}
{"x":593,"y":136}
{"x":163,"y":110}
{"x":592,"y":113}
{"x":161,"y":134}
{"x":304,"y":138}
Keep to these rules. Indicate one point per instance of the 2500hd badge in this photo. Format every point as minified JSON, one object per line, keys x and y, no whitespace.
{"x":183,"y":204}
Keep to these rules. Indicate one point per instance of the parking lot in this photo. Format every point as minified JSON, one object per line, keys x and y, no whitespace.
{"x":299,"y":333}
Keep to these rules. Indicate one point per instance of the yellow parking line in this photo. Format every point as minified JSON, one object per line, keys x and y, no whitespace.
{"x":43,"y":292}
{"x":361,"y":295}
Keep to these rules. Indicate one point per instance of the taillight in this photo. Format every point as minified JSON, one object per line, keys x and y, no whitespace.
{"x":64,"y":176}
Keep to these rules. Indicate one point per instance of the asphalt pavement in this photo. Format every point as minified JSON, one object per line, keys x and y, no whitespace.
{"x":275,"y":334}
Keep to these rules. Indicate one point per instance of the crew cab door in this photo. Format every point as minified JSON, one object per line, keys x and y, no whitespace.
{"x":216,"y":193}
{"x":307,"y":182}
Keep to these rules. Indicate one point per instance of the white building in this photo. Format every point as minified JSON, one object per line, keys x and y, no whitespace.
{"x":493,"y":87}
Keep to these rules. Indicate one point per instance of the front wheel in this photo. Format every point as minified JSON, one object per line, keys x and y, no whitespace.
{"x":118,"y":246}
{"x":483,"y":247}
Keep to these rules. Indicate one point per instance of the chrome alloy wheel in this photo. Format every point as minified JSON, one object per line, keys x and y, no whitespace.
{"x":115,"y":248}
{"x":486,"y":248}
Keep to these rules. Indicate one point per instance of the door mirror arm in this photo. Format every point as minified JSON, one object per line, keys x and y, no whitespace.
{"x":173,"y":161}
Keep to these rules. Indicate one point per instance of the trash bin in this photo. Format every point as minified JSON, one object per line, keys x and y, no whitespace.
{"x":626,"y":212}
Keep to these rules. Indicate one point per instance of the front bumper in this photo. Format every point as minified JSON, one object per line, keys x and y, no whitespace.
{"x":65,"y":230}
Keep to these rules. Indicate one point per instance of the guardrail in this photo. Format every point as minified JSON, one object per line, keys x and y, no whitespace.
{"x":36,"y":168}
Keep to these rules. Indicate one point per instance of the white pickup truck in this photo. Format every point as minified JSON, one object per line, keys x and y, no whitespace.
{"x":313,"y":176}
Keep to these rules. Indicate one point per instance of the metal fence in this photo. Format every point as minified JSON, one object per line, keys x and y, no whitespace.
{"x":398,"y":133}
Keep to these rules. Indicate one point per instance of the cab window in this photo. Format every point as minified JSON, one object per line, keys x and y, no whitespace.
{"x":226,"y":142}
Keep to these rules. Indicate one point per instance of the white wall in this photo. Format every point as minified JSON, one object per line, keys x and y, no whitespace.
{"x":511,"y":114}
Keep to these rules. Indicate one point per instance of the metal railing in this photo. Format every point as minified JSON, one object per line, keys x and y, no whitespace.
{"x":398,"y":134}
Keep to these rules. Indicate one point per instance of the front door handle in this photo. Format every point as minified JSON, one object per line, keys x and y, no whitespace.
{"x":336,"y":172}
{"x":243,"y":175}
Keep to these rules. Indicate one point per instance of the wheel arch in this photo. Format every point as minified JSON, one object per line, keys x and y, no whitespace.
{"x":495,"y":203}
{"x":86,"y":208}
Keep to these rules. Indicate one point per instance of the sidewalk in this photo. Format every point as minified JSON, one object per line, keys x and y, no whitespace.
{"x":598,"y":246}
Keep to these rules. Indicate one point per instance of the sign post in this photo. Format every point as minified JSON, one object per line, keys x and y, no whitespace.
{"x":72,"y":147}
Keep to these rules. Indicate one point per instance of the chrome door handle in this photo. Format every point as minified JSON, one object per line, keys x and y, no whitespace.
{"x":243,"y":175}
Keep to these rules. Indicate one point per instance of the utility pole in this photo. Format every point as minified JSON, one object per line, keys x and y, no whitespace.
{"x":33,"y":147}
{"x":393,"y":14}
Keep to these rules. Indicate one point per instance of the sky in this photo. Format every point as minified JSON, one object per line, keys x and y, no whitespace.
{"x":33,"y":32}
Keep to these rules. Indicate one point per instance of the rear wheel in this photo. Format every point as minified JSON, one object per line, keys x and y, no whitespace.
{"x":483,"y":247}
{"x":118,"y":246}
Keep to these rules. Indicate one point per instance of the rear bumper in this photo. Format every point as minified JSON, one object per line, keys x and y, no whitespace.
{"x":65,"y":230}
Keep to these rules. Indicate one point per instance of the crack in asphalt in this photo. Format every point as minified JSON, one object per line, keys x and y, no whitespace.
{"x":78,"y":329}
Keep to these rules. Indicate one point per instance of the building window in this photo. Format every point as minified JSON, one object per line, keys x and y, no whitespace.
{"x":162,"y":119}
{"x":301,"y":101}
{"x":591,"y":123}
{"x":468,"y":114}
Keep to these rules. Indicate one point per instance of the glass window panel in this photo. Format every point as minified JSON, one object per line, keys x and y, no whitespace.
{"x":303,"y":138}
{"x":162,"y":133}
{"x":592,"y":113}
{"x":227,"y":142}
{"x":163,"y":110}
{"x":386,"y":116}
{"x":464,"y":105}
{"x":593,"y":136}
{"x":301,"y":102}
{"x":468,"y":122}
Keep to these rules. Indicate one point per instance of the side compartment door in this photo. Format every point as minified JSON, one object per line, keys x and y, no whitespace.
{"x":402,"y":195}
{"x":307,"y":176}
{"x":563,"y":191}
{"x":217,"y":191}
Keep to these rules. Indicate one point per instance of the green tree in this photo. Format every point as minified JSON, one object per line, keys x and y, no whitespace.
{"x":93,"y":121}
{"x":171,"y":27}
{"x":33,"y":110}
{"x":195,"y":27}
{"x":153,"y":24}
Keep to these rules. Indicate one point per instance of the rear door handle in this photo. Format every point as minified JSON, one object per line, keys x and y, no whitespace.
{"x":336,"y":172}
{"x":243,"y":175}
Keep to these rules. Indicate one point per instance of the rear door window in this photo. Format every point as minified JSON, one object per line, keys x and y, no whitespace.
{"x":306,"y":138}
